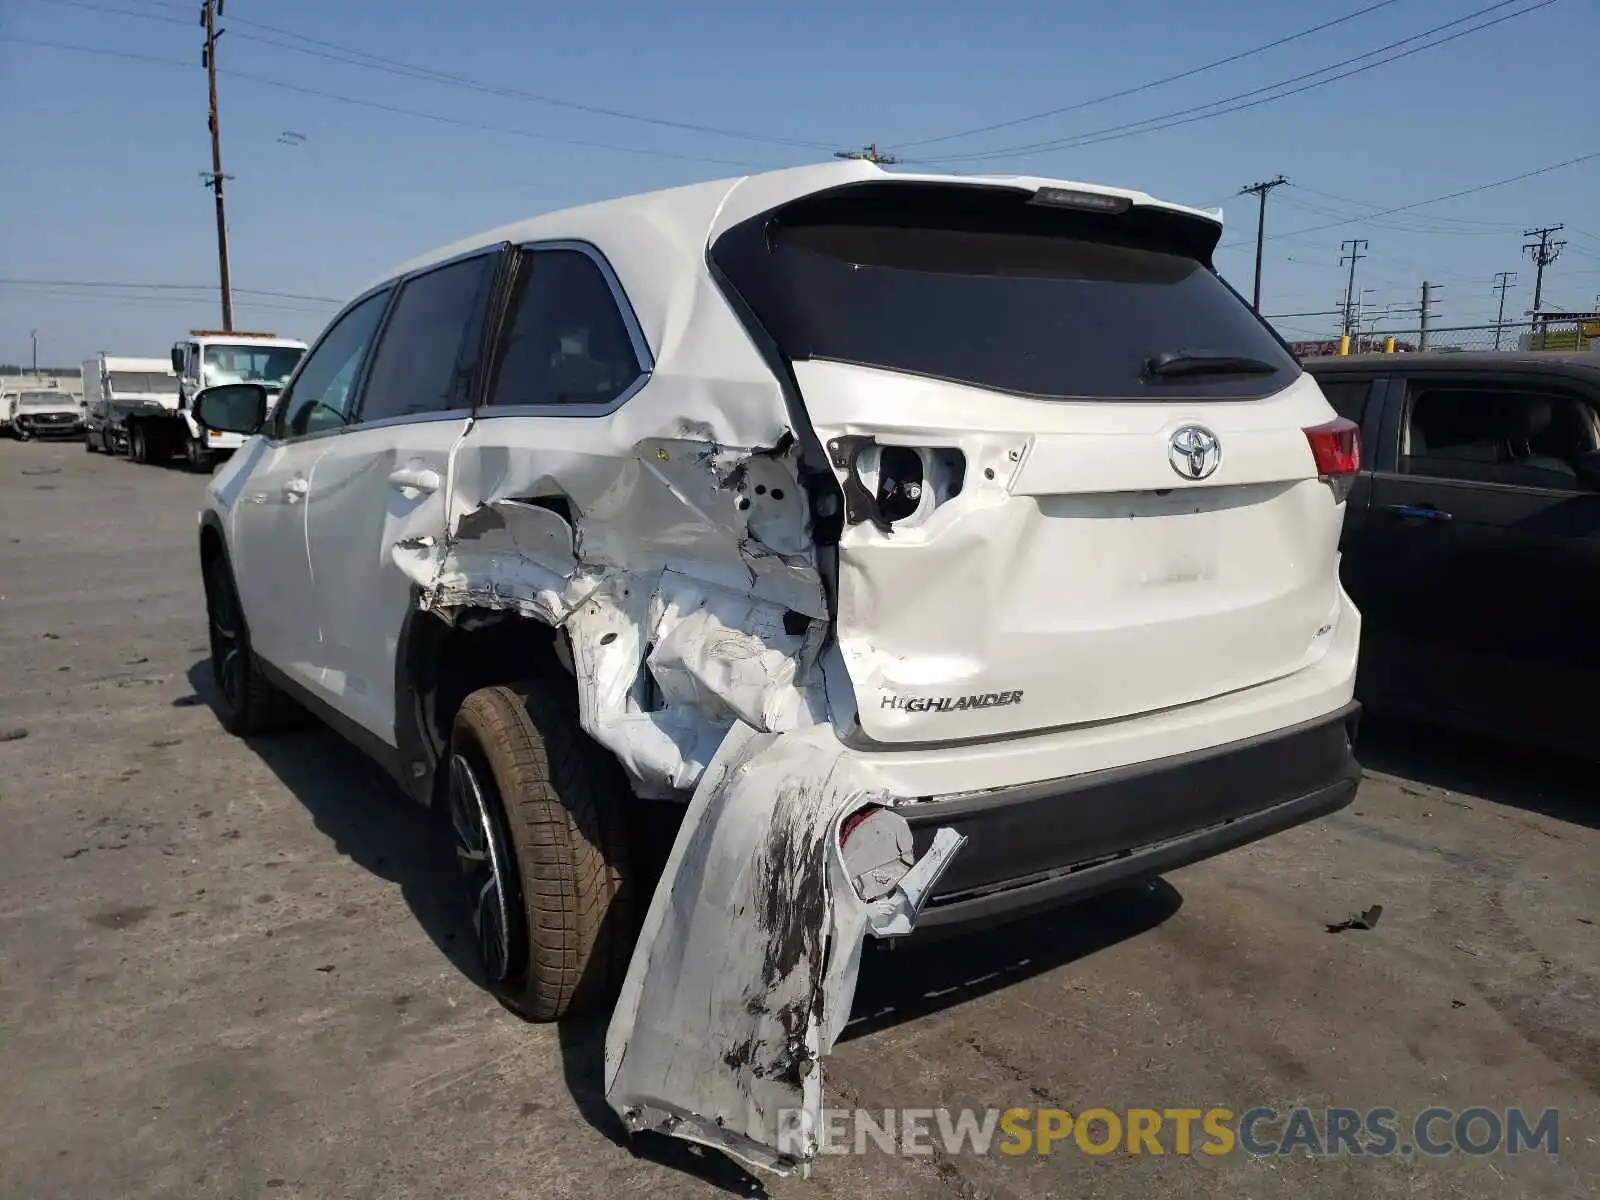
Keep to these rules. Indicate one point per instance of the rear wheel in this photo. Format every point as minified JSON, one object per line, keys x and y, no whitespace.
{"x":247,"y":702}
{"x":537,"y":810}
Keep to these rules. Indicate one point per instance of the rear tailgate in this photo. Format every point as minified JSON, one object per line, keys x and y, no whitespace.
{"x":1042,"y":528}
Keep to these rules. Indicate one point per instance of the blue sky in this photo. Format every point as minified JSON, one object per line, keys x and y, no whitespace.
{"x":103,"y":154}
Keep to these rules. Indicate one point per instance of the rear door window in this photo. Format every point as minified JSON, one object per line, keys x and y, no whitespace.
{"x":1512,"y":434}
{"x":429,"y":347}
{"x":978,"y":286}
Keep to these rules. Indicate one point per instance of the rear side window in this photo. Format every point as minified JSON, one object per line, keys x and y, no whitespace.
{"x":430,"y":345}
{"x":1347,"y":396}
{"x":1508,"y":435}
{"x":978,"y":286}
{"x":566,"y":341}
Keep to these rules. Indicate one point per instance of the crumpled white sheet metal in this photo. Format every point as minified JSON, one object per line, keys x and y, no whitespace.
{"x":678,"y":582}
{"x":747,"y":961}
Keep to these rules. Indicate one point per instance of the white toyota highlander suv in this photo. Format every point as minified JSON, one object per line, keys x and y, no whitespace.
{"x":931,"y":549}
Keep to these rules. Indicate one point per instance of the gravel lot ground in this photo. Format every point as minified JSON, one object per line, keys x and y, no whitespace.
{"x":232,"y":969}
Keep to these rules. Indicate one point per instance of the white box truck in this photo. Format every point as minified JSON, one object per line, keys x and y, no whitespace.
{"x":206,"y":358}
{"x":123,"y":394}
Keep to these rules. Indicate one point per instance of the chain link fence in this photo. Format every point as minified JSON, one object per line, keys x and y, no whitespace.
{"x":1576,"y":333}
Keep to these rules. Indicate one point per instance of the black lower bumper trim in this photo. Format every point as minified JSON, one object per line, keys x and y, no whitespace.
{"x":1048,"y":843}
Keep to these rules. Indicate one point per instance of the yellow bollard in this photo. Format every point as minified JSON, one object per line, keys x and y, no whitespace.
{"x":1344,"y":345}
{"x":1388,"y":345}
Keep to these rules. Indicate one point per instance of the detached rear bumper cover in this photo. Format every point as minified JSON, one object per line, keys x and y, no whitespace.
{"x":746,"y":966}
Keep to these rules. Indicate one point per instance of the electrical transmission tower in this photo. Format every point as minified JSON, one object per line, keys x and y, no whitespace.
{"x":1260,"y":190}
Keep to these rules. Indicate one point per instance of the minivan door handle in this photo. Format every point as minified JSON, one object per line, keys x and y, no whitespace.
{"x":296,"y":489}
{"x":416,"y":479}
{"x":1421,"y":512}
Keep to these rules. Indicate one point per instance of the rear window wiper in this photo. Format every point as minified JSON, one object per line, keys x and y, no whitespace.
{"x":1171,"y":363}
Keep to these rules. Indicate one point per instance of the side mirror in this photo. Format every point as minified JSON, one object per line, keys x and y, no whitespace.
{"x":177,"y":360}
{"x":231,"y":408}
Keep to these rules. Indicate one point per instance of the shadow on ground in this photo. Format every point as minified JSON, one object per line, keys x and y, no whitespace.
{"x":371,"y":821}
{"x":1535,"y":780}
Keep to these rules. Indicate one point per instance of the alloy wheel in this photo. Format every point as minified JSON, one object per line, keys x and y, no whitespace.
{"x":485,"y":858}
{"x":226,"y":631}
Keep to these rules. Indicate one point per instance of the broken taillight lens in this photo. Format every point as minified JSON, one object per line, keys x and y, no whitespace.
{"x":1336,"y":447}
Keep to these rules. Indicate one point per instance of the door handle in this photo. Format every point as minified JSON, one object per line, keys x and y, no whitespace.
{"x":417,"y":479}
{"x":1422,"y":512}
{"x":296,"y":489}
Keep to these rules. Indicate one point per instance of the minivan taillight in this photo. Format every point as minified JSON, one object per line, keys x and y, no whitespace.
{"x":1336,"y":447}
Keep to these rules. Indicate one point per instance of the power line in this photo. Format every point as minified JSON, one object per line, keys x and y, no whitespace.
{"x":1300,"y":187}
{"x":394,"y":109}
{"x":351,"y":56}
{"x":1188,"y":116}
{"x":1154,"y":83}
{"x":1482,"y":187}
{"x":161,"y":287}
{"x":1399,"y":226}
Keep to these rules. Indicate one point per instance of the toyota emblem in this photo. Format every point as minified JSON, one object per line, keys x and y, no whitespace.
{"x":1194,"y":452}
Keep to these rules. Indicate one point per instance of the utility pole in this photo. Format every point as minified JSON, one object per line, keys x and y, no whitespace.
{"x":1355,"y":246}
{"x":1426,"y":313}
{"x":1502,"y":281}
{"x":210,"y":10}
{"x":1260,"y":190}
{"x":1543,"y":252}
{"x":869,"y":153}
{"x":34,"y":334}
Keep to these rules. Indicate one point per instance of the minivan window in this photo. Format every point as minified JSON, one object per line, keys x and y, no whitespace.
{"x":977,"y":286}
{"x":566,"y":341}
{"x":430,"y":346}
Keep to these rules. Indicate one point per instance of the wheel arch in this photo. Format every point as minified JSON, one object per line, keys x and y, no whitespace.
{"x":440,"y":662}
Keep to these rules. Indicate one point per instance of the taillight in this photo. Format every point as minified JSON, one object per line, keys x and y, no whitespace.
{"x":1336,"y":447}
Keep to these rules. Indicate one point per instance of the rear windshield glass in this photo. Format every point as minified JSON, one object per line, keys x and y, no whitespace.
{"x":986,"y":289}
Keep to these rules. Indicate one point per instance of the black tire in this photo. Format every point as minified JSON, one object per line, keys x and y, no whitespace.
{"x":195,"y":455}
{"x":540,"y":828}
{"x":246,"y":701}
{"x":88,"y":441}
